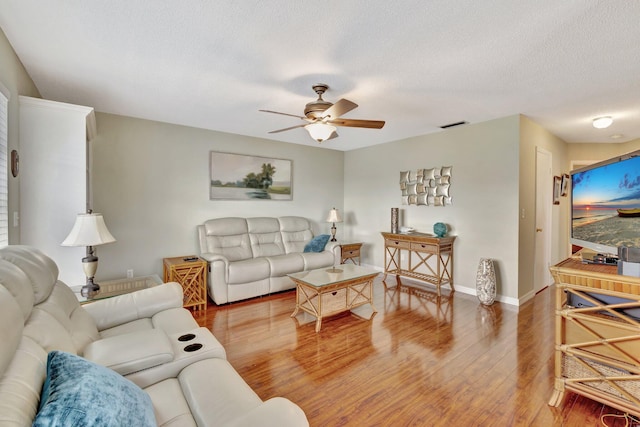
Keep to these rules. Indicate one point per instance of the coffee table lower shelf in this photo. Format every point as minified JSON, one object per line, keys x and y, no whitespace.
{"x":327,"y":300}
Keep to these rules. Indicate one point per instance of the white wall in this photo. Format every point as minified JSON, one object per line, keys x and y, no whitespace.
{"x":484,"y":188}
{"x":532,"y":136}
{"x":151,"y":183}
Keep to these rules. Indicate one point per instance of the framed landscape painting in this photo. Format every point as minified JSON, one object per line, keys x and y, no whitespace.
{"x":242,"y":177}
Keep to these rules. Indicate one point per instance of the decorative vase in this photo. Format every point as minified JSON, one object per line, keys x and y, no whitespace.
{"x":394,"y":220}
{"x":486,"y":281}
{"x":439,"y":229}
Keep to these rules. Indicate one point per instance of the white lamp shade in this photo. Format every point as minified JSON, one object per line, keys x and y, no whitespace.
{"x":320,"y":131}
{"x":89,"y":230}
{"x":334,"y":216}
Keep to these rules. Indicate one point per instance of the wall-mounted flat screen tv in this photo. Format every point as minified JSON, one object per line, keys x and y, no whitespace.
{"x":605,"y":203}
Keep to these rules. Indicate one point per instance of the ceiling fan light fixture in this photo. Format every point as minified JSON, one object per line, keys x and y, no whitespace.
{"x":320,"y":131}
{"x":602,"y":122}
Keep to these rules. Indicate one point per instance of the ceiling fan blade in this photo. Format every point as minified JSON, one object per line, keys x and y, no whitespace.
{"x":371,"y":124}
{"x":339,"y":108}
{"x":283,"y":114}
{"x":289,"y":128}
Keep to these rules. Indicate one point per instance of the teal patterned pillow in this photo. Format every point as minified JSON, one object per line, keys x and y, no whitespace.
{"x":78,"y":392}
{"x":317,"y":244}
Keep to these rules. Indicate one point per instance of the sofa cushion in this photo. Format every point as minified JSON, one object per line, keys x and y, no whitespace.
{"x":18,"y":284}
{"x":265,"y":237}
{"x":79,"y":392}
{"x":285,"y":264}
{"x":249,"y":270}
{"x":296,"y":233}
{"x":313,"y":260}
{"x":228,"y":237}
{"x":230,"y":396}
{"x":41,"y":270}
{"x":317,"y":244}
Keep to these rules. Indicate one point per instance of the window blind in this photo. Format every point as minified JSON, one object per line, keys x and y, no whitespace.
{"x":4,"y":170}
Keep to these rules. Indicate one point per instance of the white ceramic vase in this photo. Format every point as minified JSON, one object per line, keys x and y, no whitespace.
{"x":486,"y":281}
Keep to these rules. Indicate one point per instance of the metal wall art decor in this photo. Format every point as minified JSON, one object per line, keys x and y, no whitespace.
{"x":241,"y":177}
{"x":426,"y":187}
{"x":557,"y":189}
{"x":564,"y":186}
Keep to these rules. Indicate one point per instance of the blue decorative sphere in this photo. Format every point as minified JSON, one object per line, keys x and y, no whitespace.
{"x":439,"y":229}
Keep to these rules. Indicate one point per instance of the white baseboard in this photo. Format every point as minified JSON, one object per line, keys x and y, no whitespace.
{"x":472,"y":291}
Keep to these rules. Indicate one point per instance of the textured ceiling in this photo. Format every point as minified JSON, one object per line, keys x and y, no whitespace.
{"x":416,"y":64}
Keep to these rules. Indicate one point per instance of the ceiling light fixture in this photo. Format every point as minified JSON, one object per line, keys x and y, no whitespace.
{"x":320,"y":131}
{"x":602,"y":122}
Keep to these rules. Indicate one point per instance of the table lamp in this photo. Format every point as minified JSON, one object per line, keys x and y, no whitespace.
{"x":334,"y":216}
{"x":89,"y":230}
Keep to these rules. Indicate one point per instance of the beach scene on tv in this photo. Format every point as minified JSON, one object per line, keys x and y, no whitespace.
{"x":606,"y":204}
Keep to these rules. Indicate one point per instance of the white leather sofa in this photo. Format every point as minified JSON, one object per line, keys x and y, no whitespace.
{"x":142,"y":336}
{"x":249,"y":257}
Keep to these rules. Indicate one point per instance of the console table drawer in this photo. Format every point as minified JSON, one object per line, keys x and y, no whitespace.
{"x":397,"y":244}
{"x":424,"y":247}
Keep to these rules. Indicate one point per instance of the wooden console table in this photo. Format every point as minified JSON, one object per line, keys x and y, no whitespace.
{"x":429,"y":258}
{"x":597,"y":336}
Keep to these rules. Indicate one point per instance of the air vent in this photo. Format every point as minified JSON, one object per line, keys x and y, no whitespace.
{"x":450,"y":125}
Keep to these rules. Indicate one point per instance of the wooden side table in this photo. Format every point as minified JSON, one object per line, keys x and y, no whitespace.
{"x":191,"y":273}
{"x":350,"y":251}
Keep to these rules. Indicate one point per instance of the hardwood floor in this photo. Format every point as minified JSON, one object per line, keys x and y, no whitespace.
{"x":420,"y":361}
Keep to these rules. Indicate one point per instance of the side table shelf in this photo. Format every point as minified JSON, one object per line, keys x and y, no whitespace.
{"x":191,"y":273}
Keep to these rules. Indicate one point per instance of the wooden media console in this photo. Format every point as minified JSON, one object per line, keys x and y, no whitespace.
{"x":597,"y":335}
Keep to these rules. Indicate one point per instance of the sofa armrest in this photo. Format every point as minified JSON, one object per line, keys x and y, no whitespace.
{"x":275,"y":412}
{"x":218,"y":277}
{"x":334,"y":248}
{"x":141,"y":304}
{"x":211,"y":257}
{"x":132,"y":352}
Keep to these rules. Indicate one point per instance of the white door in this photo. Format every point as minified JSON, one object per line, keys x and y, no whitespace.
{"x":544,"y":200}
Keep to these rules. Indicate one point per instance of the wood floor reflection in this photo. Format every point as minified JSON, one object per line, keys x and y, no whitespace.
{"x":423,"y":360}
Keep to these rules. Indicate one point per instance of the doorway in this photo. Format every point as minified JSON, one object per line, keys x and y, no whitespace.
{"x":542,"y":252}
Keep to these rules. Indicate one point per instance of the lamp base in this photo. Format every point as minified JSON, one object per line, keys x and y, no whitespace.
{"x":90,"y":289}
{"x":333,"y":233}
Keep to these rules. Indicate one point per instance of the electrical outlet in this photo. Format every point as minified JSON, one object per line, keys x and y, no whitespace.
{"x":129,"y":273}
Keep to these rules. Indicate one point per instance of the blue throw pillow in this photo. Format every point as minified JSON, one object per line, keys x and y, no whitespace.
{"x":317,"y":244}
{"x":78,"y":392}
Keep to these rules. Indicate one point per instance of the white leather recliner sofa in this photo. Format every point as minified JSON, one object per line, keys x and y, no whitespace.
{"x":249,"y":257}
{"x":143,"y":336}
